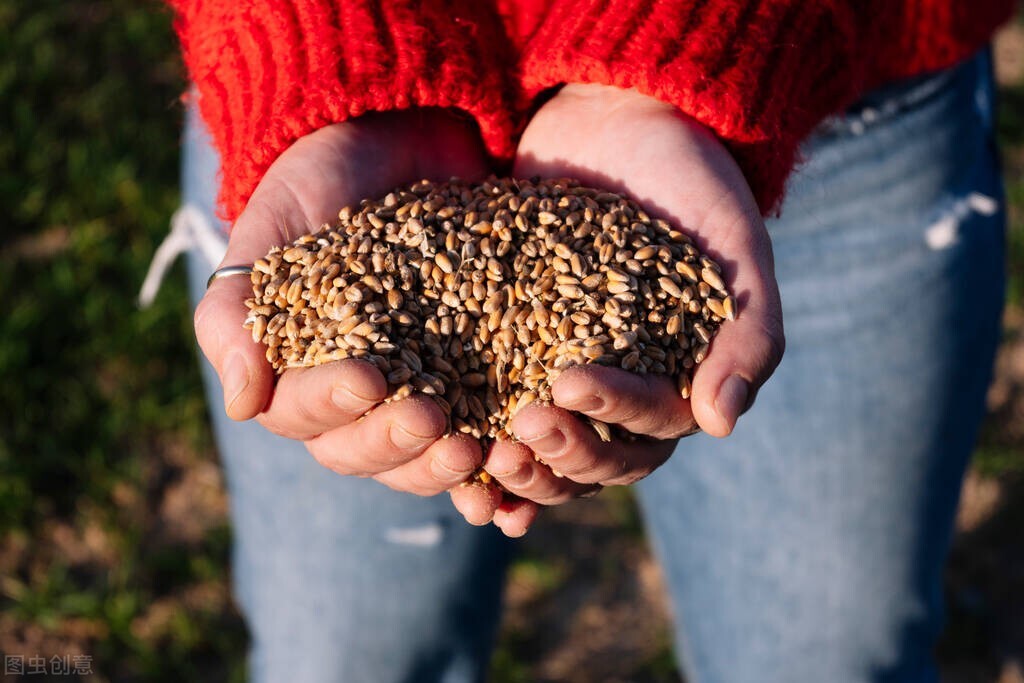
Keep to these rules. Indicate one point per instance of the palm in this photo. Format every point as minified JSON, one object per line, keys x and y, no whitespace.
{"x":675,"y":167}
{"x":399,"y":443}
{"x":626,"y":142}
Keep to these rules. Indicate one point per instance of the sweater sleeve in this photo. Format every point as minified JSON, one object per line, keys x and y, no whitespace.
{"x":760,"y":73}
{"x":268,"y":72}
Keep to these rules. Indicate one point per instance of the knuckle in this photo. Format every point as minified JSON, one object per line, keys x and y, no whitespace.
{"x":777,"y":349}
{"x":309,"y":412}
{"x":764,"y":351}
{"x":559,"y":498}
{"x":200,"y":320}
{"x":406,"y":485}
{"x":659,"y":419}
{"x":586,"y":476}
{"x":387,"y":481}
{"x":421,"y":416}
{"x":660,"y":424}
{"x":676,"y":429}
{"x":620,"y":410}
{"x":775,"y":338}
{"x":272,"y":423}
{"x":461,"y":454}
{"x":389,"y":451}
{"x":201,"y":312}
{"x":382,"y":478}
{"x":571,"y":464}
{"x":326,"y":456}
{"x":446,"y":476}
{"x":431,"y":489}
{"x":520,"y":481}
{"x":445,"y":481}
{"x":529,"y":485}
{"x":627,"y":478}
{"x":322,"y":455}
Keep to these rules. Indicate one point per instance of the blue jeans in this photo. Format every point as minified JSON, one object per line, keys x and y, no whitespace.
{"x":807,"y":546}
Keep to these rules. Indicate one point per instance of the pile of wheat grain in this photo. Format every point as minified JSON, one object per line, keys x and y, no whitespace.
{"x":481,"y":294}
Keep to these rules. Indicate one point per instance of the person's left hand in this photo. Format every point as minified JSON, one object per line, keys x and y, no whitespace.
{"x":677,"y":169}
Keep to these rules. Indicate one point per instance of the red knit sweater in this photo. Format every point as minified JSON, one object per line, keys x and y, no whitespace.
{"x":760,"y":73}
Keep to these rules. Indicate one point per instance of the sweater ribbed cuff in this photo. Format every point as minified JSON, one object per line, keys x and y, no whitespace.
{"x":734,"y":65}
{"x":271,"y":71}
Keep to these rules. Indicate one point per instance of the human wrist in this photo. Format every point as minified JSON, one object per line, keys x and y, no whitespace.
{"x":623,"y":140}
{"x":270,"y":72}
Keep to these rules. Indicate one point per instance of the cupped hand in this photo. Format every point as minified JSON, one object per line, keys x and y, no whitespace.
{"x":677,"y":169}
{"x":336,"y":408}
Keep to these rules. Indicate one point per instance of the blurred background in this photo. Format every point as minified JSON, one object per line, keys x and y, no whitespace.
{"x":114,"y":540}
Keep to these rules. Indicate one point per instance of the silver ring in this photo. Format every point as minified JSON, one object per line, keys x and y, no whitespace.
{"x":228,"y":271}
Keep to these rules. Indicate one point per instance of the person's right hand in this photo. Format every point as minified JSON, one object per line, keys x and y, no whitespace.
{"x":398,"y":443}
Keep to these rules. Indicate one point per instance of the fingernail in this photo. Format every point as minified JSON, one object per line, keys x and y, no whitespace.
{"x":348,"y":400}
{"x":406,"y":440}
{"x":586,"y":403}
{"x":548,"y":442}
{"x":443,"y":472}
{"x":517,"y":477}
{"x":235,"y":378}
{"x":732,"y":399}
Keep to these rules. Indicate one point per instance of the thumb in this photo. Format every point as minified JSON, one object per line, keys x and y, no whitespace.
{"x":746,"y":350}
{"x":245,"y":375}
{"x":241,"y":363}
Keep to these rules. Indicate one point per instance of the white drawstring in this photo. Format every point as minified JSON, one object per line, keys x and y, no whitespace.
{"x":189,"y":228}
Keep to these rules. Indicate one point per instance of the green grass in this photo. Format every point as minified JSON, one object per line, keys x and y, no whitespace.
{"x":1011,"y":140}
{"x":996,"y":460}
{"x":97,"y":393}
{"x":89,"y":125}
